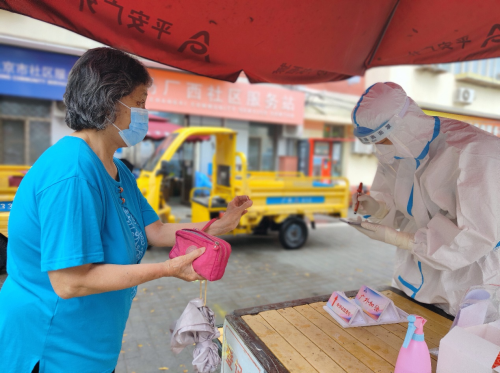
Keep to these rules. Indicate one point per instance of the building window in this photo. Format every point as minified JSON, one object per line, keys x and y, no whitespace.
{"x":291,"y":147}
{"x":171,"y":117}
{"x":24,"y":129}
{"x":254,"y":159}
{"x":489,"y":67}
{"x":331,"y":131}
{"x":262,"y":147}
{"x":12,"y":135}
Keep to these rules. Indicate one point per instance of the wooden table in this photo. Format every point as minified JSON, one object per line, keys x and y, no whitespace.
{"x":300,"y":336}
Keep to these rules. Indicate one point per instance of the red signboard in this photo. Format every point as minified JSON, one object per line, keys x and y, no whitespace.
{"x":192,"y":94}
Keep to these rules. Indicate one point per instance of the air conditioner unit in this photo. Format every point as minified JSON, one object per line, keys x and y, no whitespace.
{"x":58,"y":109}
{"x":464,"y":95}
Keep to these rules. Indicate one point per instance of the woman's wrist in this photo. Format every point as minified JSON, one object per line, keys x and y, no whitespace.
{"x":167,"y":270}
{"x":216,"y":228}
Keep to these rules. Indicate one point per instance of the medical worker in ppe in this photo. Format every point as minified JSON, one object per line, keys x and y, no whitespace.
{"x":435,"y":196}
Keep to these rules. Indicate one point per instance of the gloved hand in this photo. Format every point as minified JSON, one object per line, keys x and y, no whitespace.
{"x":369,"y":205}
{"x":383,"y":233}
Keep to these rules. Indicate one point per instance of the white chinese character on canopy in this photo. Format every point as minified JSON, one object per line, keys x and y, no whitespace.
{"x":234,"y":96}
{"x":194,"y":91}
{"x":271,"y":101}
{"x":253,"y":98}
{"x":60,"y":74}
{"x":214,"y":94}
{"x":8,"y":67}
{"x":47,"y":72}
{"x":167,"y":83}
{"x":21,"y":69}
{"x":288,"y":103}
{"x":34,"y":70}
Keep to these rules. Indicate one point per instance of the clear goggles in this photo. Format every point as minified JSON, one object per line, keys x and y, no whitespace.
{"x":372,"y":136}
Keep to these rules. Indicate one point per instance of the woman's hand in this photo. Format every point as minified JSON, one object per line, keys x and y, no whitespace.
{"x":182,"y":266}
{"x":231,"y":218}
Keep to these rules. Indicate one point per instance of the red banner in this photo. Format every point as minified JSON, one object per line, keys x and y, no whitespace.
{"x":197,"y":95}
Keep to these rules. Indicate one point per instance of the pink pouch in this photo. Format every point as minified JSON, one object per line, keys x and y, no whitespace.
{"x":212,"y":264}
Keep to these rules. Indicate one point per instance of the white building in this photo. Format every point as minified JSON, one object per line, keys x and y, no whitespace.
{"x":470,"y":89}
{"x":467,"y":91}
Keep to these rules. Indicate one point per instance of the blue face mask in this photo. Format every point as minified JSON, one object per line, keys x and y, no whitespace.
{"x":138,"y":127}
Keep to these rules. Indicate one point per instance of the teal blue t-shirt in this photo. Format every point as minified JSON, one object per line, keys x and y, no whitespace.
{"x":67,"y":212}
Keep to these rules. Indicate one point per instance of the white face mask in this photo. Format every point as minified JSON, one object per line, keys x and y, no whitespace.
{"x":385,"y":153}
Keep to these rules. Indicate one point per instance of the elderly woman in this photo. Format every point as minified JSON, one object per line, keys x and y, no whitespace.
{"x":79,"y":228}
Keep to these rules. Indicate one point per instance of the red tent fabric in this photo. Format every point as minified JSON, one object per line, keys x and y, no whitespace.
{"x":281,"y":41}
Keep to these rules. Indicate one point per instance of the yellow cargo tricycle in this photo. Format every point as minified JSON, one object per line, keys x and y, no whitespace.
{"x":282,"y":201}
{"x":10,"y":177}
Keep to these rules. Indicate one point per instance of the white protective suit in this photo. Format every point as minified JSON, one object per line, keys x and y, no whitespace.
{"x":443,"y":185}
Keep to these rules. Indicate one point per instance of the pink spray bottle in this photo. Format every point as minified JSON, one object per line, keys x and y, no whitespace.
{"x":414,"y":355}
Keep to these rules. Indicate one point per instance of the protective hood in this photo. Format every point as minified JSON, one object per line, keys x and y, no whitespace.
{"x":385,"y":111}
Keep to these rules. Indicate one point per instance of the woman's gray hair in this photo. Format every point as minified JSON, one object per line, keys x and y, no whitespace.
{"x":99,"y":78}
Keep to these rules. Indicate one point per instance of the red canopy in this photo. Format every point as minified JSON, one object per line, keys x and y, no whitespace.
{"x":282,"y":41}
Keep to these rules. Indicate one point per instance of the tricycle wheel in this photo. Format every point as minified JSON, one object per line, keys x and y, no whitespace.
{"x":293,"y":233}
{"x":3,"y":253}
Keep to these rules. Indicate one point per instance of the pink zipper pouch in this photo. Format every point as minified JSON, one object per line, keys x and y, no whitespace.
{"x":212,"y":263}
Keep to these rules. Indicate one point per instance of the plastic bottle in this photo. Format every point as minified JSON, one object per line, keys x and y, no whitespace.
{"x":414,"y":355}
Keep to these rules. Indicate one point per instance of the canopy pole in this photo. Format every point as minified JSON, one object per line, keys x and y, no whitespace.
{"x":367,"y":65}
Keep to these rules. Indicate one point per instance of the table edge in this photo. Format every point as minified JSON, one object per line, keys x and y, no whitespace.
{"x":258,"y":348}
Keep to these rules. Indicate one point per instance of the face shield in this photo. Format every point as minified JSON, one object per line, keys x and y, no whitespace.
{"x":387,"y":153}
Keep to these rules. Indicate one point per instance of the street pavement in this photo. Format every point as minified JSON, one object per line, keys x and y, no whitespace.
{"x":260,"y":271}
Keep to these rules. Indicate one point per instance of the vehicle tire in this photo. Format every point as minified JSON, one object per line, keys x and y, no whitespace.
{"x":293,"y":233}
{"x":3,"y":254}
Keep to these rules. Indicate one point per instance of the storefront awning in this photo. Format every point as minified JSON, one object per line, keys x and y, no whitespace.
{"x":159,"y":127}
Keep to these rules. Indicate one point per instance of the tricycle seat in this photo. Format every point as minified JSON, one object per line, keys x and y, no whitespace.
{"x":217,"y":202}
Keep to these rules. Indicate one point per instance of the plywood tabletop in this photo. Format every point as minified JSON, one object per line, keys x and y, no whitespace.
{"x":305,"y":338}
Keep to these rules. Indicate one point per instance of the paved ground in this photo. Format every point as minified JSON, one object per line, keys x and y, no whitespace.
{"x":336,"y":257}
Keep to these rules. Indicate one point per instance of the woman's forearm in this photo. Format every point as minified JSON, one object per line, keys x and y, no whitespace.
{"x":99,"y":278}
{"x":160,"y":234}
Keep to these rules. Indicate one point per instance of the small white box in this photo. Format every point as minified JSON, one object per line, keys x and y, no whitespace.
{"x":473,"y":349}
